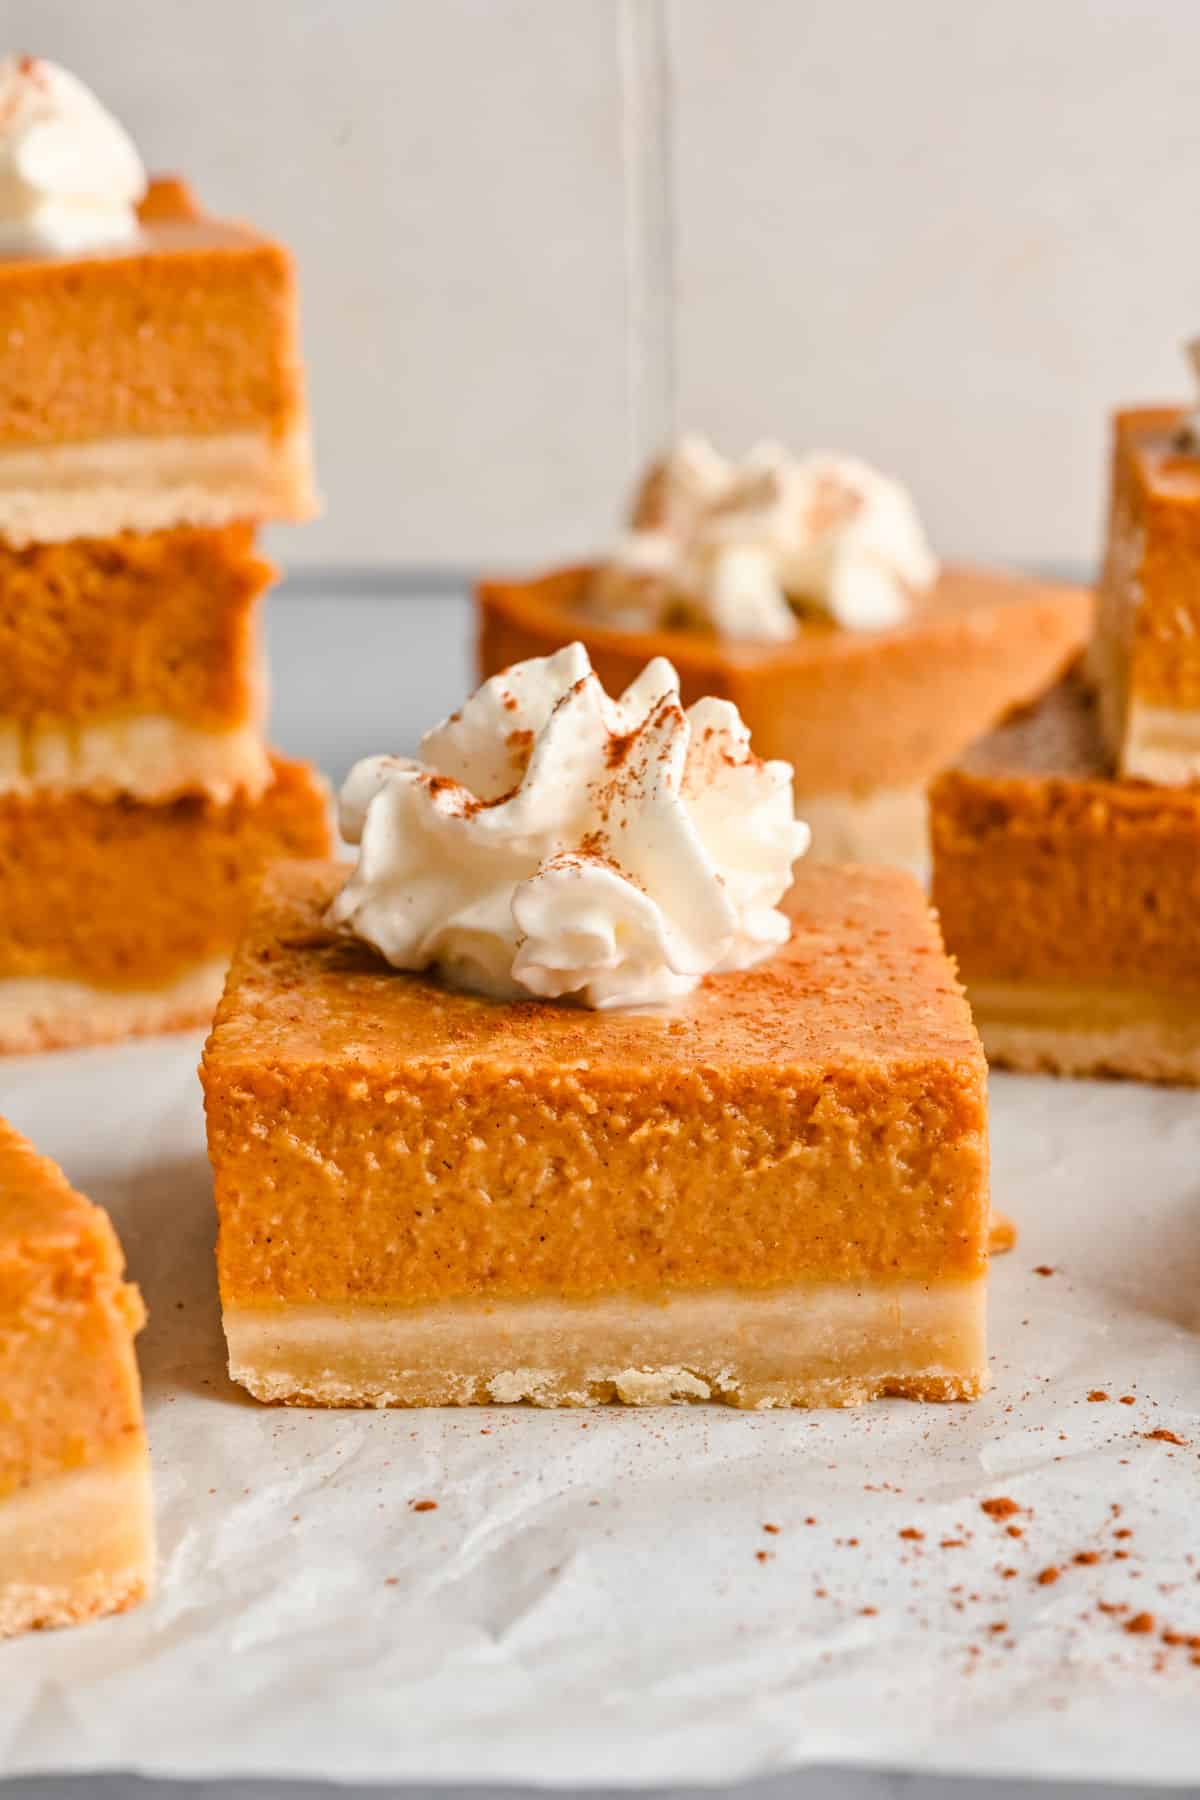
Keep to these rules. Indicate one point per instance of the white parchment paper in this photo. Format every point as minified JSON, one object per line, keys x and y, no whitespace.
{"x":595,"y":1597}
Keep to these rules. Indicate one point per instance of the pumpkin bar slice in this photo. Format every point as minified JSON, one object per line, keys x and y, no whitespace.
{"x":75,"y":1507}
{"x":1146,"y":653}
{"x":865,"y":717}
{"x":773,"y":1192}
{"x":130,"y":664}
{"x":1068,"y":897}
{"x":151,"y":383}
{"x":118,"y":918}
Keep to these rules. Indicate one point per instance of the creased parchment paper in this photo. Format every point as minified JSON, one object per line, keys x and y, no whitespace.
{"x":595,"y":1596}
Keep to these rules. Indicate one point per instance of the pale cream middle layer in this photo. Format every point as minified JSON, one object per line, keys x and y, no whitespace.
{"x":1161,"y":743}
{"x":819,"y":1344}
{"x":889,"y":825}
{"x":148,"y":756}
{"x":1075,"y":1029}
{"x":78,"y":1544}
{"x":58,"y":491}
{"x":45,"y":1013}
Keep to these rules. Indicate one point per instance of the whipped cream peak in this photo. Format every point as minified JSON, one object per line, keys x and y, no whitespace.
{"x":553,"y":841}
{"x":70,"y":175}
{"x":741,"y":548}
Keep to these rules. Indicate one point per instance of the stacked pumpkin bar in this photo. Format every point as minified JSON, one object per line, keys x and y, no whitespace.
{"x":1067,"y":844}
{"x":151,"y":411}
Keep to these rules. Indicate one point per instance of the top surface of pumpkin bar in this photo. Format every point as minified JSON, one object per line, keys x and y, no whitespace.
{"x":864,"y":982}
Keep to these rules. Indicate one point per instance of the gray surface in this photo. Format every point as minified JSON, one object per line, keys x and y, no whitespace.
{"x":348,"y":666}
{"x":350,"y":669}
{"x":810,"y":1784}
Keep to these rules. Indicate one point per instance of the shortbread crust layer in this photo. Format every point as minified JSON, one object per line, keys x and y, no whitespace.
{"x":51,"y":492}
{"x":816,"y":1344}
{"x":76,"y":1545}
{"x":47,"y":1013}
{"x":147,"y":756}
{"x":1077,"y":1029}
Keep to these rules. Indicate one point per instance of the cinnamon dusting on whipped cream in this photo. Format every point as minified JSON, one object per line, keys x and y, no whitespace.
{"x":746,"y":549}
{"x":640,"y":846}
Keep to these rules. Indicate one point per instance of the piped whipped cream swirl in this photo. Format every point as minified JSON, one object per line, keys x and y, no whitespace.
{"x":741,"y":549}
{"x":555,"y":842}
{"x":70,"y":175}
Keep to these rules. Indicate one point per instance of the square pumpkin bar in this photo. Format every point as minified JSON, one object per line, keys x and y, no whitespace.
{"x":1068,"y":897}
{"x":153,"y":383}
{"x":76,"y":1535}
{"x":772,"y":1193}
{"x":118,"y":918}
{"x":131,"y":665}
{"x":866,"y":718}
{"x":1146,"y":653}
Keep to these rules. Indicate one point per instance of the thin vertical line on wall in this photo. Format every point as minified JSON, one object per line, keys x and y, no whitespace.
{"x":645,"y":47}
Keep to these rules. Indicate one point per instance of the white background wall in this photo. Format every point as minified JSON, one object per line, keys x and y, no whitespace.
{"x":945,"y":233}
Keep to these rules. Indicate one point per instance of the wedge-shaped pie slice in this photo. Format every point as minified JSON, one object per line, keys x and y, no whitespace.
{"x":76,"y":1535}
{"x":773,"y":1192}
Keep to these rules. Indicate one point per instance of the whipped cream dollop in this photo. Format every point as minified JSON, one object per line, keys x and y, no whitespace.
{"x":556,"y":842}
{"x":742,"y":548}
{"x":70,"y":176}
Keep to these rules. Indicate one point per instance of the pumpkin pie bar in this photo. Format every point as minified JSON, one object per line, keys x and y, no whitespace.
{"x":76,"y":1536}
{"x":865,"y":718}
{"x":119,"y":918}
{"x":1068,"y":897}
{"x":149,"y":369}
{"x":803,"y":590}
{"x":1146,"y":654}
{"x":772,"y":1192}
{"x":130,"y":664}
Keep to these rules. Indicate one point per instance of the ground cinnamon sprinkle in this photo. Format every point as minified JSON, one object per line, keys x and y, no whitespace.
{"x":1128,"y":1399}
{"x":1086,"y":1557}
{"x":423,"y":1505}
{"x":1162,"y":1436}
{"x":1048,"y":1576}
{"x":773,"y":1529}
{"x":911,"y":1532}
{"x":1015,"y":1531}
{"x":1123,"y":1532}
{"x":1140,"y":1624}
{"x":1097,"y":1394}
{"x":1043,"y":1269}
{"x":762,"y":1556}
{"x":1001,"y":1508}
